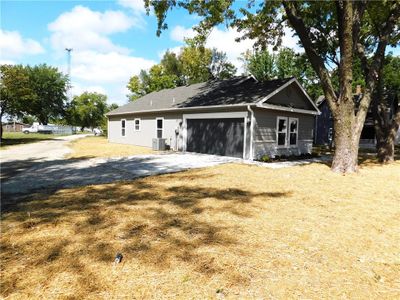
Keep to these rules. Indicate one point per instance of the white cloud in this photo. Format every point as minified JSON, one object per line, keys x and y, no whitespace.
{"x":107,"y":67}
{"x":13,"y":45}
{"x":107,"y":73}
{"x":176,"y":50}
{"x":179,"y":33}
{"x":7,"y":62}
{"x":290,"y":40}
{"x":223,"y":40}
{"x":78,"y":89}
{"x":85,"y":29}
{"x":137,"y":6}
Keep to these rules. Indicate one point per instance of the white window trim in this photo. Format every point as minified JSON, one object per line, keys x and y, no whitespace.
{"x":277,"y":131}
{"x":163,"y":125}
{"x":123,"y":128}
{"x":297,"y":132}
{"x":134,"y":124}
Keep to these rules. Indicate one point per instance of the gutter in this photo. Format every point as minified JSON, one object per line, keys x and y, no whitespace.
{"x":251,"y":131}
{"x":177,"y":109}
{"x":289,"y":109}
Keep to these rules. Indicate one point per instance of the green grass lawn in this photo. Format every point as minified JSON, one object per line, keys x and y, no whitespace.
{"x":18,"y":138}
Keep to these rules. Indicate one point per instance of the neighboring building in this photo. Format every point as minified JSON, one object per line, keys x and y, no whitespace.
{"x":14,"y":126}
{"x":237,"y":117}
{"x":324,"y":125}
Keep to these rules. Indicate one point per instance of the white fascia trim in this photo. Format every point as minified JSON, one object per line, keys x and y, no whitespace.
{"x":216,"y":115}
{"x":276,"y":91}
{"x":134,"y":124}
{"x":289,"y":109}
{"x":178,"y":109}
{"x":251,"y":156}
{"x":284,"y":86}
{"x":163,"y":125}
{"x":308,"y":97}
{"x":123,"y":127}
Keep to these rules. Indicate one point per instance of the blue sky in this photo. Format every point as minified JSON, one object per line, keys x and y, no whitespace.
{"x":111,"y":40}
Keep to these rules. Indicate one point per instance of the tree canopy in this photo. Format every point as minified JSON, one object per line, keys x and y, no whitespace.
{"x":194,"y":64}
{"x":88,"y":110}
{"x":38,"y":91}
{"x":264,"y":65}
{"x":331,"y":33}
{"x":50,"y":89}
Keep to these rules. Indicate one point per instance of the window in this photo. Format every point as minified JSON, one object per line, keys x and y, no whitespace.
{"x":123,"y":127}
{"x":282,"y":131}
{"x":287,"y":131}
{"x":136,"y":124}
{"x":293,"y":126}
{"x":160,"y":124}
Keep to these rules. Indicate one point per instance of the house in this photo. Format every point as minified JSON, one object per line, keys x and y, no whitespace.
{"x":238,"y":117}
{"x":14,"y":126}
{"x":324,"y":124}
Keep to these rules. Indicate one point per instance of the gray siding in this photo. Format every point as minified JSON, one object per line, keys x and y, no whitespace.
{"x":172,"y":121}
{"x":148,"y":129}
{"x":291,"y":96}
{"x":265,"y":133}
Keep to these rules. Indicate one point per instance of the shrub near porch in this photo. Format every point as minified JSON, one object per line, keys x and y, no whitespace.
{"x":233,"y":230}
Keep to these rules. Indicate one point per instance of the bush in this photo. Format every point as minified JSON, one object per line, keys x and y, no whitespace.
{"x":266,"y":158}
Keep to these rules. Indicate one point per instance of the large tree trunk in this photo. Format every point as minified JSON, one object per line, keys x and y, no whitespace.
{"x":385,"y":138}
{"x":346,"y":136}
{"x":348,"y":118}
{"x":385,"y":125}
{"x":1,"y":126}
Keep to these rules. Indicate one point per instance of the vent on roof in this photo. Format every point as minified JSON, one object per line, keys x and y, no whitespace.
{"x":173,"y":99}
{"x":253,"y":77}
{"x":243,"y":80}
{"x":151,"y":102}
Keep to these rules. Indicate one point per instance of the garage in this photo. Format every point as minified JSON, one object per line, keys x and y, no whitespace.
{"x":216,"y":136}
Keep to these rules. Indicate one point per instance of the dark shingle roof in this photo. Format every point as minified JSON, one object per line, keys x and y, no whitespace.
{"x":237,"y":90}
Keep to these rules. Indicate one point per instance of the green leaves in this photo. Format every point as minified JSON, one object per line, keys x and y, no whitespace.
{"x":88,"y":110}
{"x":194,"y":64}
{"x":39,"y":91}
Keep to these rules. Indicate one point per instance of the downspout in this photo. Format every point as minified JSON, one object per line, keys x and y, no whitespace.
{"x":251,"y":131}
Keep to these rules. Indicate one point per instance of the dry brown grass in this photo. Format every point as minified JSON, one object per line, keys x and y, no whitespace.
{"x":96,"y":146}
{"x":234,"y":230}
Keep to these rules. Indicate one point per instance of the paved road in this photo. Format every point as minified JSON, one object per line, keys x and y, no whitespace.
{"x":42,"y":167}
{"x":19,"y":158}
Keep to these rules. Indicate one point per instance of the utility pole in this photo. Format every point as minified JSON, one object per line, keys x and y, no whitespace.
{"x":69,"y":70}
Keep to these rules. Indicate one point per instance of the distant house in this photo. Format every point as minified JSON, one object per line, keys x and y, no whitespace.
{"x":237,"y":117}
{"x":324,"y":129}
{"x":13,"y":126}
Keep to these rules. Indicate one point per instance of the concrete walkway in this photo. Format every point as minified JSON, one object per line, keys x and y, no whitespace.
{"x":52,"y":149}
{"x":63,"y":173}
{"x":42,"y":166}
{"x":20,"y":158}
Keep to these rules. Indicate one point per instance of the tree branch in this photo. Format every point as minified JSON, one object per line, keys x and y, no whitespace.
{"x":315,"y":60}
{"x":373,"y":72}
{"x":359,"y":9}
{"x":345,"y":26}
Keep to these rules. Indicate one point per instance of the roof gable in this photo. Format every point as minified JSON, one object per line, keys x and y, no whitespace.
{"x":292,"y":95}
{"x":235,"y":91}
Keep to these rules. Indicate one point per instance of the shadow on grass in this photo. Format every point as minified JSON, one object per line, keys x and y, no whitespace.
{"x":152,"y":223}
{"x":10,"y":169}
{"x":366,"y":156}
{"x":12,"y":142}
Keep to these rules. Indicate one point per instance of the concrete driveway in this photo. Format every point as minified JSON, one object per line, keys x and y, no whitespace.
{"x":25,"y":171}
